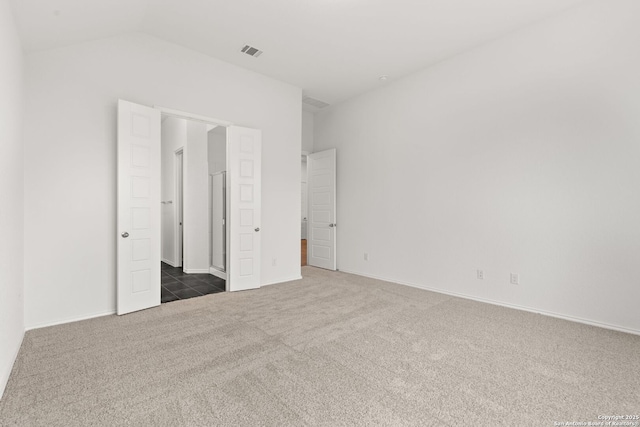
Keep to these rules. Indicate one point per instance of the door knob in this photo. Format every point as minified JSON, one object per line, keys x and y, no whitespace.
{"x":332,"y":225}
{"x":125,"y":234}
{"x":257,"y":229}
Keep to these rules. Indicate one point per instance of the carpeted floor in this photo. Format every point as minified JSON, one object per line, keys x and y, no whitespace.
{"x":332,"y":349}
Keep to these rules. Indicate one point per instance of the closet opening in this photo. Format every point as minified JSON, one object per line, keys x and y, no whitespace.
{"x":193,"y":203}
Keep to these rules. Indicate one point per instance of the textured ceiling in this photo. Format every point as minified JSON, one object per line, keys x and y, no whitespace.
{"x":332,"y":49}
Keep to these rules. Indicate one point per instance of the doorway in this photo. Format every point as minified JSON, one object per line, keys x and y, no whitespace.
{"x":141,"y":244}
{"x":217,"y":171}
{"x":193,"y":156}
{"x":322,"y":230}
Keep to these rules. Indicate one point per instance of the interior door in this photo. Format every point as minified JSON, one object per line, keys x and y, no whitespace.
{"x":244,"y":148}
{"x":179,"y":207}
{"x":321,"y":170}
{"x":138,"y":223}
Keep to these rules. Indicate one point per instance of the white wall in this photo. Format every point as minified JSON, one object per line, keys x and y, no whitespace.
{"x":520,"y":156}
{"x":217,"y":149}
{"x":307,"y":132}
{"x":196,"y":200}
{"x":12,"y":193}
{"x":70,"y":174}
{"x":174,"y":137}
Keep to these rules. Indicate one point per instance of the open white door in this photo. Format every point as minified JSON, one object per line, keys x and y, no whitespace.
{"x":321,"y":171}
{"x":138,"y":225}
{"x":244,"y":148}
{"x":179,"y":208}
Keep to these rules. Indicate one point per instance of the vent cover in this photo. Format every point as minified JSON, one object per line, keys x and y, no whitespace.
{"x":314,"y":102}
{"x":251,"y":51}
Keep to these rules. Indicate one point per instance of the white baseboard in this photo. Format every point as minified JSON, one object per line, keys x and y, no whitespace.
{"x":171,"y":263}
{"x":197,"y":271}
{"x":71,"y":320}
{"x":282,"y":281}
{"x":503,"y":304}
{"x":4,"y":377}
{"x":220,"y":274}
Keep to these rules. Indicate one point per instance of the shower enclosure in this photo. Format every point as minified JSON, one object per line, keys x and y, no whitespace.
{"x":217,"y":234}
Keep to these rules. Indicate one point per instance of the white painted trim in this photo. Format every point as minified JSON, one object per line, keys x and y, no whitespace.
{"x":197,"y":271}
{"x":75,"y":319}
{"x":171,"y":263}
{"x":215,"y":272}
{"x":4,"y":379}
{"x":503,"y":304}
{"x":292,"y":279}
{"x":193,"y":117}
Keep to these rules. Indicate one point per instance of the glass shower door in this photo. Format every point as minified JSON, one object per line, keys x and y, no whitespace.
{"x":218,"y":221}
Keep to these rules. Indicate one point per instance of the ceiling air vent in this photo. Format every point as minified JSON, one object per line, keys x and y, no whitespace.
{"x":251,"y":51}
{"x":314,"y":102}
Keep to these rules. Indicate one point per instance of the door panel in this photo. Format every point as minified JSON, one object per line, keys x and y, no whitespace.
{"x":321,"y":169}
{"x":138,"y":227}
{"x":244,"y":147}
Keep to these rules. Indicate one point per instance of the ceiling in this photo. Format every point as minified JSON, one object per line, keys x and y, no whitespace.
{"x":332,"y":49}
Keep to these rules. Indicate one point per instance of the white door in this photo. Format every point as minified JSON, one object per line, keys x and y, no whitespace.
{"x":179,"y":207}
{"x":244,"y":148}
{"x":321,"y":169}
{"x":138,"y":224}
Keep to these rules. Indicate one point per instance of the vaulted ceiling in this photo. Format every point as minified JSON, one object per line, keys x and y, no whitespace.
{"x":332,"y":49}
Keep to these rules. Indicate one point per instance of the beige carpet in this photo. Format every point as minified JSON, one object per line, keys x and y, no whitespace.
{"x":332,"y":349}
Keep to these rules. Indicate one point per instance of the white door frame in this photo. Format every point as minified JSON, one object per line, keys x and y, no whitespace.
{"x":192,"y":117}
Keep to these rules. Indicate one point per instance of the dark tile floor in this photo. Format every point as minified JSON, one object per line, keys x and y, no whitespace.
{"x":179,"y":285}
